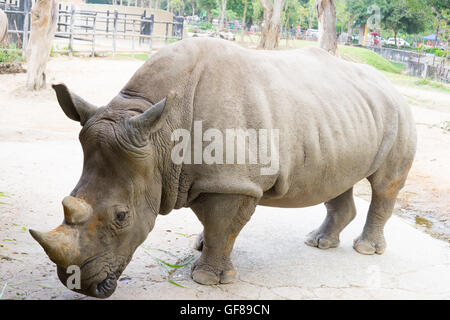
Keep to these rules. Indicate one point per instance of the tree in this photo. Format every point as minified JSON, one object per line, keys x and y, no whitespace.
{"x":207,"y":6}
{"x":271,"y":23}
{"x":401,"y":15}
{"x":3,"y":25}
{"x":359,"y":14}
{"x":243,"y":10}
{"x":222,"y":4}
{"x":244,"y":14}
{"x":178,"y":6}
{"x":441,"y":11}
{"x":44,"y":18}
{"x":326,"y":13}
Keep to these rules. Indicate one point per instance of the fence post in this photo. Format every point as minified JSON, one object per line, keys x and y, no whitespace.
{"x":59,"y":17}
{"x":125,"y":26}
{"x":150,"y":40}
{"x":72,"y":17}
{"x":93,"y":35}
{"x":167,"y":33}
{"x":141,"y":28}
{"x":107,"y":23}
{"x":26,"y":24}
{"x":115,"y":31}
{"x":132,"y":38}
{"x":182,"y":28}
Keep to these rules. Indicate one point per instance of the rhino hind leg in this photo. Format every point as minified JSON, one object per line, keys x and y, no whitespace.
{"x":340,"y":212}
{"x":386,"y":183}
{"x":223,"y":216}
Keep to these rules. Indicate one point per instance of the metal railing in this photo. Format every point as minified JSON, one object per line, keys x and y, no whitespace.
{"x":88,"y":26}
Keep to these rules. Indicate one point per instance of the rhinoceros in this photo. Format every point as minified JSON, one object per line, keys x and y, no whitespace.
{"x":338,"y":122}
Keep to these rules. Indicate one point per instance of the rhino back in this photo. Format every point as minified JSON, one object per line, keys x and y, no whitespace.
{"x":337,"y":120}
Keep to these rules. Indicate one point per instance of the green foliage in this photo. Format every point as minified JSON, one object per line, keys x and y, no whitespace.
{"x":438,"y":52}
{"x":205,"y":25}
{"x":397,"y":17}
{"x":371,"y":58}
{"x":296,"y":14}
{"x":237,"y":7}
{"x":10,"y":55}
{"x":435,"y":85}
{"x":139,"y":56}
{"x":401,"y":15}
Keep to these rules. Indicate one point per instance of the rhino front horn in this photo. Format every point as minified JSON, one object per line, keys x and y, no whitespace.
{"x":76,"y":210}
{"x":61,"y":245}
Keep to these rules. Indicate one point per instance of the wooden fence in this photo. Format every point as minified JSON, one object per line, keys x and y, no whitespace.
{"x":88,"y":27}
{"x":18,"y":14}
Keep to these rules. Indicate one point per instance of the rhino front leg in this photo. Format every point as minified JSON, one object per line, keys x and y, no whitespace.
{"x":223,"y":216}
{"x":340,"y":212}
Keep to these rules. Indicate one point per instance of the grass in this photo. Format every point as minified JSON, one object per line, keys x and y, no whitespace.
{"x":166,"y":265}
{"x":371,"y":58}
{"x":432,"y":84}
{"x":355,"y":54}
{"x":139,"y":56}
{"x":2,"y":195}
{"x":10,"y":54}
{"x":417,"y":82}
{"x":3,"y":289}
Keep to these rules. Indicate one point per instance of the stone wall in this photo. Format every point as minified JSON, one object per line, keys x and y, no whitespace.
{"x":416,"y":65}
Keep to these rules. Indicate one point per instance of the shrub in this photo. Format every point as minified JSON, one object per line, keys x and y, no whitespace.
{"x":10,"y":55}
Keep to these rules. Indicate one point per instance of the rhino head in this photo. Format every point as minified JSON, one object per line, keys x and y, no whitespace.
{"x":115,"y":203}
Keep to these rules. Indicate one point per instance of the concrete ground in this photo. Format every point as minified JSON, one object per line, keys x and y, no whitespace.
{"x":40,"y":163}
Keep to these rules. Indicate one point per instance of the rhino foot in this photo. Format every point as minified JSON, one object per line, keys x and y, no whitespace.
{"x":364,"y":245}
{"x":208,"y":275}
{"x":321,"y":240}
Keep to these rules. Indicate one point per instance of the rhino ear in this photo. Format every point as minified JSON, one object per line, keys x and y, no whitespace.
{"x":151,"y":120}
{"x":73,"y":106}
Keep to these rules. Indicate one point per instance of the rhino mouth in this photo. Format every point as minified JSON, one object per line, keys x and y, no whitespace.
{"x":106,"y":287}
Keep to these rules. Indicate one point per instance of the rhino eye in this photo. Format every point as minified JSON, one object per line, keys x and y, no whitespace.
{"x":120,"y":216}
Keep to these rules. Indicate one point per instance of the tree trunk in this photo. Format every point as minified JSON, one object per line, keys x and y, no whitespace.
{"x":245,"y":15}
{"x":435,"y":38}
{"x":350,"y":31}
{"x":44,"y":18}
{"x":326,"y":13}
{"x":362,"y":27}
{"x":4,"y":25}
{"x":395,"y":37}
{"x":271,"y":23}
{"x":222,"y":4}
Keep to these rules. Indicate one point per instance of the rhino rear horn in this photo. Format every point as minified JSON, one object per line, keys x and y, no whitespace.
{"x":76,"y":211}
{"x":75,"y":107}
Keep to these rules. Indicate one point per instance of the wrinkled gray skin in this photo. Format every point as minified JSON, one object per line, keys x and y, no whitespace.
{"x":339,"y":123}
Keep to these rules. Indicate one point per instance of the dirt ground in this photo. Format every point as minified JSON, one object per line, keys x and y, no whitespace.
{"x":36,"y":138}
